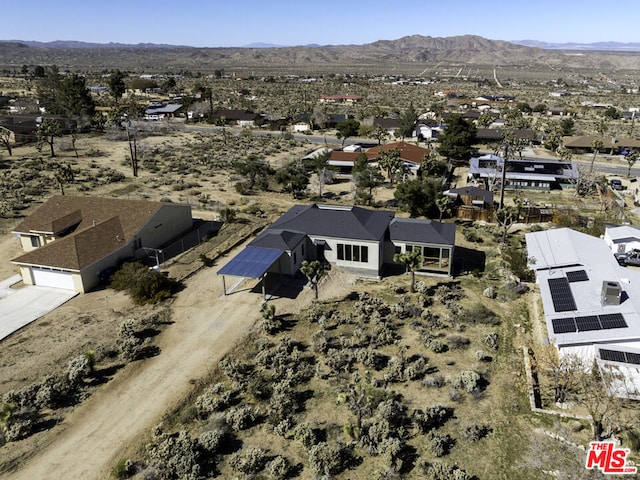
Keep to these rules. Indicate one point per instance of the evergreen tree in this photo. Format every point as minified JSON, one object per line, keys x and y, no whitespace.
{"x":456,"y":142}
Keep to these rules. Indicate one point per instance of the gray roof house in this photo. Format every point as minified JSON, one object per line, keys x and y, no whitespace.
{"x":591,"y":304}
{"x":355,"y":239}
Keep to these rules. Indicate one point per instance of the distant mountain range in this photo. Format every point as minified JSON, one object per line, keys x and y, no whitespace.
{"x":415,"y":53}
{"x":587,"y":47}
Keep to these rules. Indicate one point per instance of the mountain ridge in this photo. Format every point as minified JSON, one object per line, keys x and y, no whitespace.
{"x":412,"y":52}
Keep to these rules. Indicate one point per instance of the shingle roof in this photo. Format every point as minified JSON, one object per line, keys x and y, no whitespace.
{"x":422,"y":231}
{"x":278,"y":239}
{"x":100,"y":226}
{"x":336,"y":221}
{"x":473,"y":191}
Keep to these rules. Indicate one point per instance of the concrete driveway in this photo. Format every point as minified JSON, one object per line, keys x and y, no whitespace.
{"x":21,"y":306}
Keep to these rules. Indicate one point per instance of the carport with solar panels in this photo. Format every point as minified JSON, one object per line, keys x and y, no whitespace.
{"x":251,"y":262}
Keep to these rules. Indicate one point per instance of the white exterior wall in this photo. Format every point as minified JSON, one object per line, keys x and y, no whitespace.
{"x":374,"y":254}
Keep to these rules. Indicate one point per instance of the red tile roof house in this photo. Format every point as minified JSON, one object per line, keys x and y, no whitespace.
{"x":70,"y":240}
{"x":411,"y":155}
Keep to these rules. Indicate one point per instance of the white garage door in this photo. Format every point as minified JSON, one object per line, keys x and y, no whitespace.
{"x":52,"y":278}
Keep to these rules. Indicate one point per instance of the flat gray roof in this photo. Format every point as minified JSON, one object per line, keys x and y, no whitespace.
{"x":554,"y":254}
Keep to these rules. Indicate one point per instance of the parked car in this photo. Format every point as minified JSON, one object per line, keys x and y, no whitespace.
{"x":628,"y":258}
{"x":616,"y":184}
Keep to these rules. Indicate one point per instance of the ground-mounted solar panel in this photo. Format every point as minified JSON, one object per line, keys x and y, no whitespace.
{"x":577,"y":276}
{"x":612,"y":320}
{"x":561,"y":295}
{"x":612,"y":355}
{"x":588,"y":323}
{"x":564,"y":325}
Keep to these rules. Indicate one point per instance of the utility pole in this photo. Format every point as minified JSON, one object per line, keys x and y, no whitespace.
{"x":505,"y":156}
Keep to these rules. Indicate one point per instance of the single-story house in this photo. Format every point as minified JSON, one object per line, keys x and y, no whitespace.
{"x":24,"y":128}
{"x":411,"y":155}
{"x":358,"y":240}
{"x":535,"y":173}
{"x":241,"y":118}
{"x":489,"y":135}
{"x":70,"y":240}
{"x":591,"y":304}
{"x":614,"y":145}
{"x":350,"y":99}
{"x":622,"y":238}
{"x":160,"y":111}
{"x":389,"y":125}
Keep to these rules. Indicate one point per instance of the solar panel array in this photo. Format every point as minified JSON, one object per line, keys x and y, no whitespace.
{"x":588,"y":323}
{"x":561,"y":295}
{"x":618,"y":356}
{"x":577,"y":276}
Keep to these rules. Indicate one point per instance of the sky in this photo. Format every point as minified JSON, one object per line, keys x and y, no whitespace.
{"x":225,"y":23}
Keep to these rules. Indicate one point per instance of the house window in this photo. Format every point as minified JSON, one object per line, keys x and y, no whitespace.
{"x":398,"y":250}
{"x":137,"y":244}
{"x":302,"y":250}
{"x":35,"y":242}
{"x":295,"y":258}
{"x":353,"y":253}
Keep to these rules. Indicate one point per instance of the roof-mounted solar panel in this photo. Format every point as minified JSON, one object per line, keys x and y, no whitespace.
{"x":577,"y":276}
{"x":564,"y":325}
{"x":561,"y":295}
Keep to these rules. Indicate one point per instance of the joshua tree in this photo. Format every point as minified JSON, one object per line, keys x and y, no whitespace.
{"x":412,"y":261}
{"x":314,"y":271}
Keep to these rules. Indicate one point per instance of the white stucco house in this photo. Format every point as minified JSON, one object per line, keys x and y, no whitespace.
{"x":355,"y":239}
{"x":69,"y":240}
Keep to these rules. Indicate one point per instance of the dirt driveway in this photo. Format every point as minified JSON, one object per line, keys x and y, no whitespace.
{"x":109,"y":424}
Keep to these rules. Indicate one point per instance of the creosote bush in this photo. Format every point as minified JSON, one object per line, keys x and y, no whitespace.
{"x":143,"y":284}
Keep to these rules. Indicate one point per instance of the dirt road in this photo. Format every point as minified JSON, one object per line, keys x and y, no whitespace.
{"x":97,"y":434}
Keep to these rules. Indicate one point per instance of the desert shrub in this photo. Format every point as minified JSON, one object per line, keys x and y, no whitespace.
{"x":143,"y":284}
{"x":392,"y":411}
{"x":283,"y":427}
{"x":443,"y":471}
{"x":124,"y":468}
{"x":370,"y":358}
{"x":469,"y":381}
{"x":340,"y":360}
{"x":478,"y":313}
{"x":235,"y":370}
{"x":432,"y":417}
{"x":329,"y":459}
{"x":213,"y":399}
{"x":395,"y":370}
{"x":471,"y":235}
{"x":434,"y":344}
{"x":417,"y":368}
{"x":278,"y":468}
{"x":440,"y":445}
{"x":249,"y":460}
{"x":458,"y":342}
{"x":391,"y":449}
{"x":434,"y":381}
{"x":270,"y":323}
{"x":475,"y":432}
{"x":281,"y":406}
{"x":78,"y":369}
{"x":241,"y":417}
{"x":210,"y":440}
{"x":305,"y":434}
{"x":128,"y":342}
{"x":176,"y":456}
